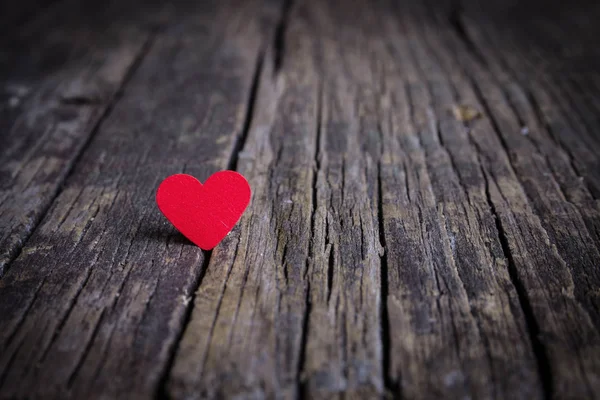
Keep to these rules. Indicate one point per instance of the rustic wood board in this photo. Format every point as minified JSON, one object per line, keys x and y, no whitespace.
{"x":112,"y":276}
{"x":393,"y":248}
{"x":56,"y":88}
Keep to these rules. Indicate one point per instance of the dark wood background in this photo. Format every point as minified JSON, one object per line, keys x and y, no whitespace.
{"x":425,"y":220}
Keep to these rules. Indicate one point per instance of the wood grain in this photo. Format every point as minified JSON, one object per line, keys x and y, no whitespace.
{"x":98,"y":311}
{"x":391,"y":249}
{"x":56,"y":90}
{"x":464,"y":310}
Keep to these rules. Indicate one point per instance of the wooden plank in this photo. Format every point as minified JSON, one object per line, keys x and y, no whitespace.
{"x":296,"y":312}
{"x":246,"y":329}
{"x":454,"y":313}
{"x":56,"y":87}
{"x":344,"y":345}
{"x":571,"y":219}
{"x":95,"y":302}
{"x":541,"y":231}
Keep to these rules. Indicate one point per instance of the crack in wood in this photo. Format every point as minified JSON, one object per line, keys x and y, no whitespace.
{"x":533,"y":328}
{"x":279,"y":37}
{"x":249,"y":116}
{"x":161,"y":386}
{"x":80,"y":101}
{"x":392,"y":384}
{"x":330,"y":249}
{"x":311,"y":251}
{"x":301,"y":386}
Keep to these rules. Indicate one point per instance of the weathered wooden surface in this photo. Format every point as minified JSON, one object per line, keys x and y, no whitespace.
{"x":391,"y":249}
{"x":59,"y":76}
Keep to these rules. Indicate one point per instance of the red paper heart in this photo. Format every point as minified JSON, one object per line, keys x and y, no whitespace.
{"x":205,"y":214}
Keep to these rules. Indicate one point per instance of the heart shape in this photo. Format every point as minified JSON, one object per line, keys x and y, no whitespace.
{"x":205,"y":214}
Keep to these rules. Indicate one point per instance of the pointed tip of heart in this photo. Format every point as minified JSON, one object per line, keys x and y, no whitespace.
{"x":204,"y":213}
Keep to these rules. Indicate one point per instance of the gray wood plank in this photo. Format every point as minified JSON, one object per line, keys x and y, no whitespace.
{"x":533,"y":212}
{"x":533,"y":163}
{"x":93,"y":305}
{"x":449,"y":285}
{"x":246,"y":330}
{"x":297,"y":312}
{"x":56,"y":88}
{"x":344,"y":344}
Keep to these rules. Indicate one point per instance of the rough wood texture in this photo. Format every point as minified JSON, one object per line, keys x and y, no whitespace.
{"x":393,"y":248}
{"x":59,"y":75}
{"x":108,"y":281}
